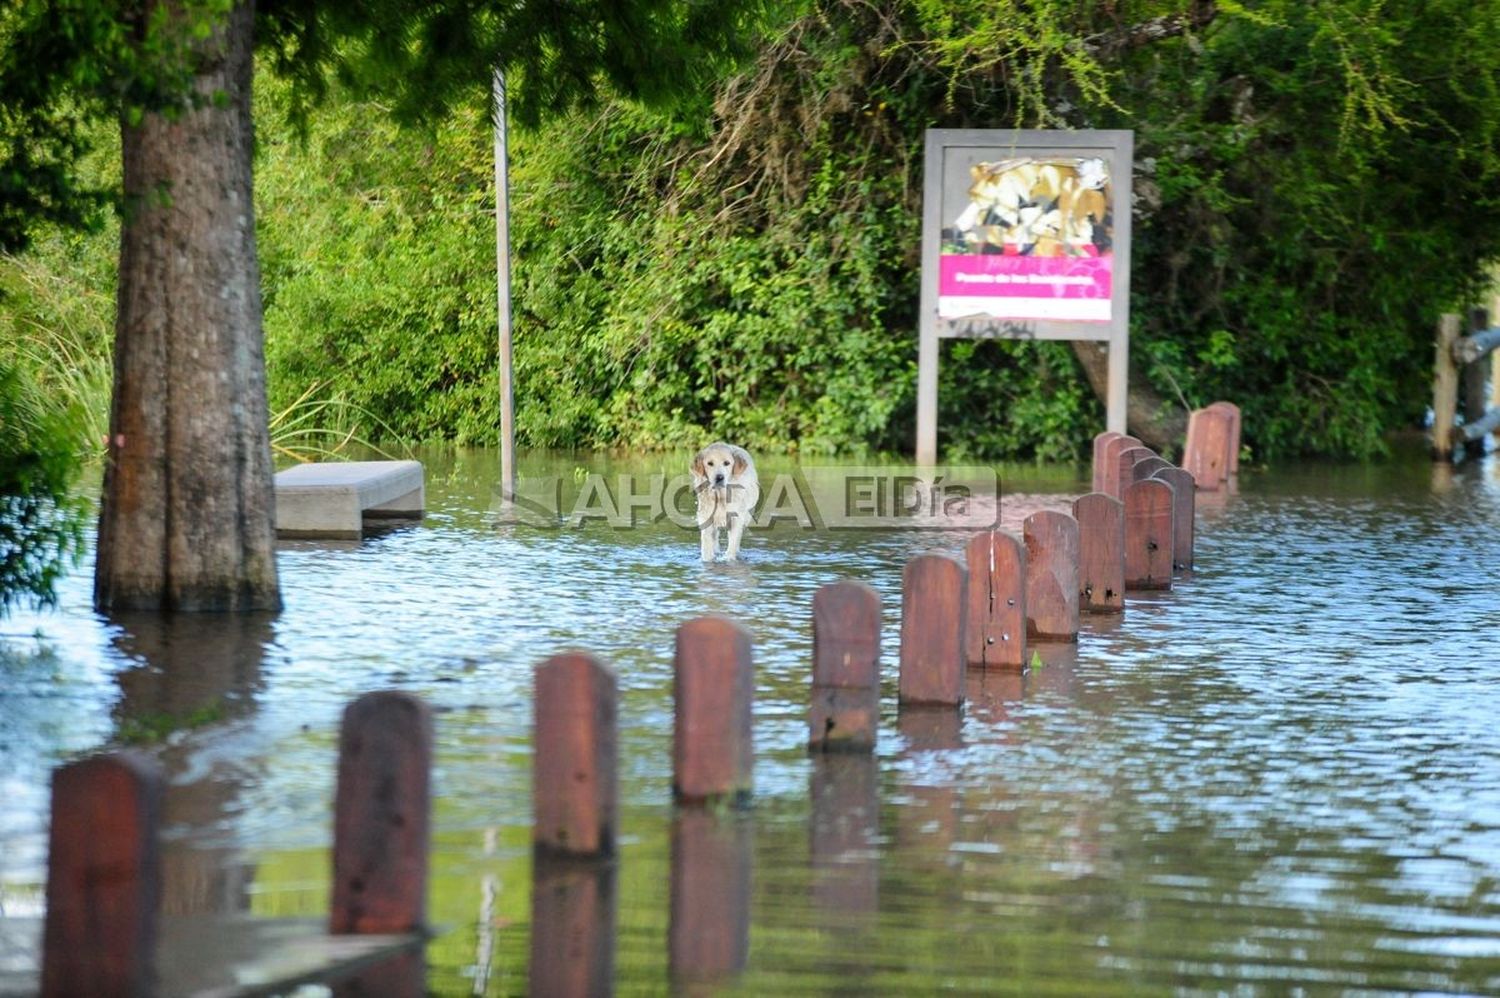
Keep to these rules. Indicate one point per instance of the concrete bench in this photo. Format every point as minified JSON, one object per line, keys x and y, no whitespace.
{"x":332,"y":498}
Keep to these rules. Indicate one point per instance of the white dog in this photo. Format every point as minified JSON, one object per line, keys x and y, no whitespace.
{"x":727,"y":489}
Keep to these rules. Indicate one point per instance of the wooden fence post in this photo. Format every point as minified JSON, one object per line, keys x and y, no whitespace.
{"x":103,"y":878}
{"x":382,"y":815}
{"x":1148,"y":535}
{"x":1051,"y":576}
{"x":1101,"y":440}
{"x":1184,"y":513}
{"x":1444,"y":388}
{"x":713,"y":755}
{"x":934,"y":606}
{"x":1232,"y":442}
{"x":1148,"y":466}
{"x":1111,"y":475}
{"x":1125,"y":463}
{"x":844,"y":712}
{"x":574,"y":756}
{"x":1101,"y":553}
{"x":1206,"y":456}
{"x":995,"y":631}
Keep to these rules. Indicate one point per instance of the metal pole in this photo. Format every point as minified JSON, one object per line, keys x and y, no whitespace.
{"x":502,"y":275}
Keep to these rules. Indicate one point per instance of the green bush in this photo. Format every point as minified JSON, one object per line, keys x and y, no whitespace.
{"x":41,"y":520}
{"x":1313,"y":187}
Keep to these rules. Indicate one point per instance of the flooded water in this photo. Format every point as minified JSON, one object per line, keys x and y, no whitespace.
{"x":1281,"y":777}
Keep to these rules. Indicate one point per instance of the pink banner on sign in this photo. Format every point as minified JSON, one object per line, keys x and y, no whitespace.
{"x":995,"y":275}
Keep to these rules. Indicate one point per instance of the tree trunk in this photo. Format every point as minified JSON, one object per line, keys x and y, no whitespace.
{"x":188,"y":514}
{"x":1159,"y":424}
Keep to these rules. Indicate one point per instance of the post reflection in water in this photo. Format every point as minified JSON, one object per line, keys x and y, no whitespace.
{"x":708,"y":938}
{"x":193,"y":671}
{"x":572,"y":926}
{"x":845,"y":793}
{"x":929,"y":817}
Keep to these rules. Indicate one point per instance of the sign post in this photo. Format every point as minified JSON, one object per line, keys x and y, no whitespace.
{"x":1025,"y":235}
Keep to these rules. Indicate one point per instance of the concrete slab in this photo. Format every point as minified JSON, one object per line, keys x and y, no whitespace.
{"x":220,"y":956}
{"x":332,"y":498}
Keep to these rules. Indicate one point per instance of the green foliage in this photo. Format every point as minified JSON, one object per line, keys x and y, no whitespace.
{"x":1318,"y":182}
{"x":1313,"y":186}
{"x":41,"y":522}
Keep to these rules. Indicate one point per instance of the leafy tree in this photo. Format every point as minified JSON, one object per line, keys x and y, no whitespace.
{"x":187,"y":513}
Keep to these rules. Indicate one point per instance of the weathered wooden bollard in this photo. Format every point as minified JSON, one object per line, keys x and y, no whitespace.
{"x":103,"y":878}
{"x":1232,"y":444}
{"x":1101,"y":553}
{"x":1184,"y":512}
{"x":1206,"y":454}
{"x":1101,"y":440}
{"x":1051,"y":576}
{"x":995,"y":624}
{"x":713,"y":687}
{"x":382,"y":816}
{"x":1148,"y":535}
{"x":1147,"y":467}
{"x":934,"y":598}
{"x":708,"y":931}
{"x":573,"y":764}
{"x":1111,"y":474}
{"x":1125,"y":463}
{"x":844,"y":712}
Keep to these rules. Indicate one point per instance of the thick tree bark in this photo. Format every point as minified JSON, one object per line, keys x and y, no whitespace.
{"x":1153,"y":420}
{"x":188,"y":515}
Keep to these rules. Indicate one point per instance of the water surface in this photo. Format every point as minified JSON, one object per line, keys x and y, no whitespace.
{"x":1283,"y":776}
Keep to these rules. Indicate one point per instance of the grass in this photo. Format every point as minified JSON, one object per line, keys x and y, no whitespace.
{"x":59,"y":333}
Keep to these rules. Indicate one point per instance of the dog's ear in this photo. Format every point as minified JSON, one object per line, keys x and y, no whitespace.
{"x":698,"y":467}
{"x":741,"y":461}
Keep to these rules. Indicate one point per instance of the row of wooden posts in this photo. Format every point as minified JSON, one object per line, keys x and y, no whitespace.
{"x":1133,"y":532}
{"x":1463,"y":362}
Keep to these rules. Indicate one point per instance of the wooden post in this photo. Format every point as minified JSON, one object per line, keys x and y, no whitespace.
{"x":995,"y":632}
{"x":1101,"y":553}
{"x":1111,"y":476}
{"x":1207,"y":455}
{"x":708,"y":931}
{"x":1473,"y":379}
{"x":1148,"y":535}
{"x":572,"y":927}
{"x":1100,"y":441}
{"x":934,"y":604}
{"x":713,"y":687}
{"x":502,"y":292}
{"x":844,"y":712}
{"x":1444,"y":388}
{"x":1125,"y":463}
{"x":1232,"y":442}
{"x":103,"y":878}
{"x":573,"y":762}
{"x":1051,"y":576}
{"x":1148,"y":466}
{"x":1184,"y":515}
{"x":382,"y":815}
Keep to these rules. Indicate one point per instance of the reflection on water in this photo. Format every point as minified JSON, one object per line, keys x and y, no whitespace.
{"x":1284,"y":774}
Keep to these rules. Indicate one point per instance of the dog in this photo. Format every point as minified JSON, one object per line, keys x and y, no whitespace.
{"x":727,"y":489}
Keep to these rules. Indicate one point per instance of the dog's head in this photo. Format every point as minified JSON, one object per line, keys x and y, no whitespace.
{"x":719,"y":464}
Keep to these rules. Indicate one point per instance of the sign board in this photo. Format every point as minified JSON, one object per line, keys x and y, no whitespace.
{"x":1025,"y":235}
